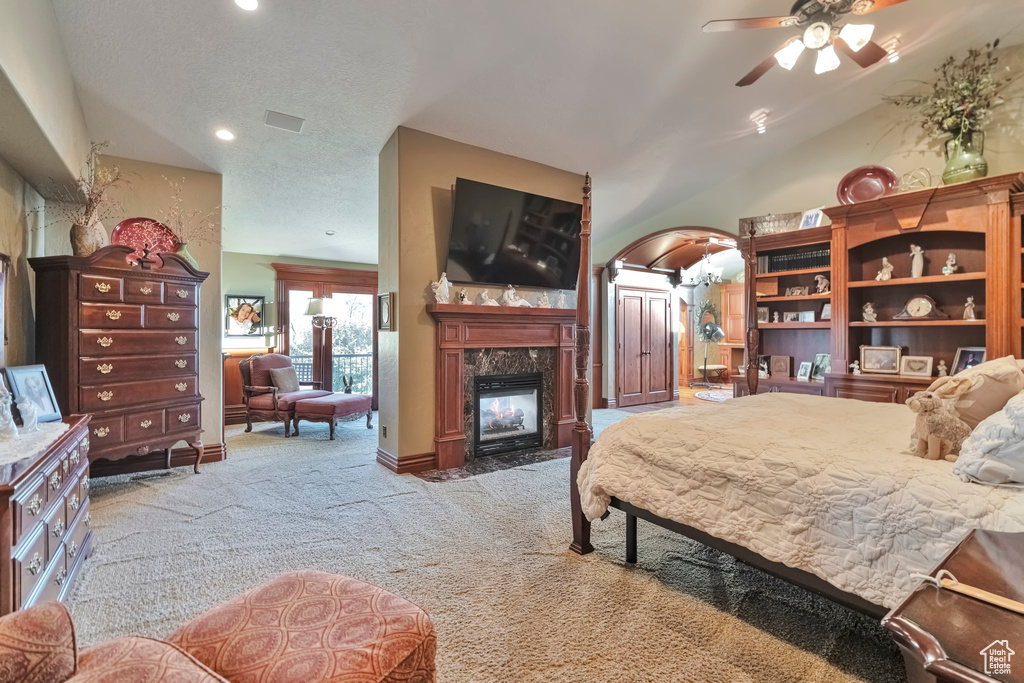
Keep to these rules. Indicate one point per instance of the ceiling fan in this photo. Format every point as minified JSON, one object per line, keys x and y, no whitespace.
{"x":818,"y":18}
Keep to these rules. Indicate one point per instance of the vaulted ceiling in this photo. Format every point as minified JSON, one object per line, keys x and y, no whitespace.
{"x":633,"y":92}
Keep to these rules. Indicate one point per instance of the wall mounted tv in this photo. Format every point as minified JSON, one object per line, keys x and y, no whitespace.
{"x":501,"y":236}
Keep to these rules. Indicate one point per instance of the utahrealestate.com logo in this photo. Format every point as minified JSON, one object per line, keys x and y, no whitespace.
{"x":997,"y":658}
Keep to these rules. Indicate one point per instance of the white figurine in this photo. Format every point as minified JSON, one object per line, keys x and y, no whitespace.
{"x":943,"y":370}
{"x":510,"y":298}
{"x":484,"y":299}
{"x":886,"y":272}
{"x":542,"y":301}
{"x":869,"y":314}
{"x":442,"y":290}
{"x":560,"y":299}
{"x":464,"y":298}
{"x":29,"y":414}
{"x":822,"y":286}
{"x":775,"y":317}
{"x":969,"y":309}
{"x":855,"y":366}
{"x":8,"y":430}
{"x":951,"y":266}
{"x":916,"y":261}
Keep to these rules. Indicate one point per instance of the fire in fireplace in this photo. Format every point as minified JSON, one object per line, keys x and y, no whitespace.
{"x":508,"y":413}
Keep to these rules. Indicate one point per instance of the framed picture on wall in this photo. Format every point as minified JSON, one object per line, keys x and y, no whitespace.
{"x":243,"y":316}
{"x":386,"y":312}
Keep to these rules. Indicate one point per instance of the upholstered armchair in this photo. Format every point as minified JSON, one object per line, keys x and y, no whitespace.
{"x":263,"y":400}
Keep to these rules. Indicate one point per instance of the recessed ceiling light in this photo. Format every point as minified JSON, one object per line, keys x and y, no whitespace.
{"x":330,"y":233}
{"x":248,"y":5}
{"x":225,"y":134}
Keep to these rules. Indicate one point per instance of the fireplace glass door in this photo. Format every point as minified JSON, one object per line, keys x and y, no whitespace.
{"x":508,"y":413}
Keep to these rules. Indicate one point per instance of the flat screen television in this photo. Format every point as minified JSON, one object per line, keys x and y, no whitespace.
{"x":508,"y":237}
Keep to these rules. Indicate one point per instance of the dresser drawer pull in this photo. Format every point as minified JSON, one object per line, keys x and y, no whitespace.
{"x":35,"y":565}
{"x":173,"y":317}
{"x":102,"y":287}
{"x":88,"y":519}
{"x":146,"y":424}
{"x":181,"y":363}
{"x":85,"y":483}
{"x":105,"y":395}
{"x":72,"y":549}
{"x":85,"y":445}
{"x":105,"y":368}
{"x":74,"y":458}
{"x":55,"y":481}
{"x":146,"y":290}
{"x":58,"y":529}
{"x":61,"y":577}
{"x":181,"y":386}
{"x":114,"y":315}
{"x":182,"y":294}
{"x":34,"y":505}
{"x":180,"y":341}
{"x":184,"y":417}
{"x":64,"y":466}
{"x":105,"y":341}
{"x":101,"y":431}
{"x":73,"y":502}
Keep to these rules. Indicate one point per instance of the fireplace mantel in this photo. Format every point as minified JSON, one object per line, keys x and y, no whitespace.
{"x":461,"y":327}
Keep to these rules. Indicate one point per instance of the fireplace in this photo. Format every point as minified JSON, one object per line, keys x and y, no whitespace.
{"x":508,"y":413}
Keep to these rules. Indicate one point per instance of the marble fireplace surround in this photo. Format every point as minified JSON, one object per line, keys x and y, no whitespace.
{"x":493,"y":340}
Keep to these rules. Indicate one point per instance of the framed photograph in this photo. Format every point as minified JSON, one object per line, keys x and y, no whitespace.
{"x":806,"y":316}
{"x":822,"y":365}
{"x":791,"y":317}
{"x":762,"y":314}
{"x":763,"y":363}
{"x":386,"y":311}
{"x":826,"y":312}
{"x":812,"y":219}
{"x":916,"y":366}
{"x":32,"y":382}
{"x":243,"y":316}
{"x":881,"y":360}
{"x":968,"y":357}
{"x":804,"y":373}
{"x":780,"y":366}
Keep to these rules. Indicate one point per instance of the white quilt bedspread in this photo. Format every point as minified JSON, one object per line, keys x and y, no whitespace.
{"x":821,"y":484}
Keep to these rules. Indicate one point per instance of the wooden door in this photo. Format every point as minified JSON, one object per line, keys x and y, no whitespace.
{"x":644,"y":350}
{"x":629,"y":359}
{"x":733,"y":314}
{"x":658,"y":346}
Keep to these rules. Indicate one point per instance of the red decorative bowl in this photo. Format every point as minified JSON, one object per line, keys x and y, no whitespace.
{"x":867,"y":183}
{"x":140,"y":233}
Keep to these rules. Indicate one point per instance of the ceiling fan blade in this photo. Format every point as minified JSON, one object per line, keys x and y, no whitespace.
{"x":880,"y":4}
{"x":738,"y":24}
{"x":870,"y":54}
{"x":759,"y":70}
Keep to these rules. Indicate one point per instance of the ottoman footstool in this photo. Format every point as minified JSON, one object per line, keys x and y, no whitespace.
{"x":332,"y":407}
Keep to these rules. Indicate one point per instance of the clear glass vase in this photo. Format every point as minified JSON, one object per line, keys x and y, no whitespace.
{"x":965,"y":158}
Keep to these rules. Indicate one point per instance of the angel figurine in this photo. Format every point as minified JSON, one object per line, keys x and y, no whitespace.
{"x":822,"y":285}
{"x":855,"y":366}
{"x":510,"y":298}
{"x":943,"y":370}
{"x":886,"y":272}
{"x":916,"y":261}
{"x":775,"y":317}
{"x":29,"y":414}
{"x":969,"y":309}
{"x":442,"y":290}
{"x":560,"y":299}
{"x":951,"y":266}
{"x":484,"y":299}
{"x":542,"y":301}
{"x":869,"y":314}
{"x":464,"y":298}
{"x":8,"y":430}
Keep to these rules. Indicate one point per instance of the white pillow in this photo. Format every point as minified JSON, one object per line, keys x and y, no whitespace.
{"x":981,"y":391}
{"x":994,"y":452}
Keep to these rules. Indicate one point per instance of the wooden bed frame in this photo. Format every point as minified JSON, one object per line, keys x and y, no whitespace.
{"x":582,"y":436}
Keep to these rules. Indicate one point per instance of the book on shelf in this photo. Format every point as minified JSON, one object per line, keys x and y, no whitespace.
{"x":775,"y":263}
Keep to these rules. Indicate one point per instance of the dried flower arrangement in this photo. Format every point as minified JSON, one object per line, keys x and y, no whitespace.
{"x":190,"y":226}
{"x":962,"y":97}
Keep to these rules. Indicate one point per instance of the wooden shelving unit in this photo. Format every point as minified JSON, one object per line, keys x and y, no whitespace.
{"x":917,"y":281}
{"x":810,"y":297}
{"x":803,"y":271}
{"x":920,"y":323}
{"x":819,"y":325}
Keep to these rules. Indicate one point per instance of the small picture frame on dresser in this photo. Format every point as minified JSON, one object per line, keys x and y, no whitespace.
{"x":916,"y":366}
{"x":31,"y":382}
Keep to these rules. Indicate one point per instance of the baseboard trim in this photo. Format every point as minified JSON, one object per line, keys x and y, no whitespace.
{"x":180,"y":457}
{"x":675,"y":394}
{"x":610,"y":403}
{"x":410,"y":465}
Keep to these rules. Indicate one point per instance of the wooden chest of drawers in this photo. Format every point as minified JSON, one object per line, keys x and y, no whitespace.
{"x":46,"y":532}
{"x":120,"y":341}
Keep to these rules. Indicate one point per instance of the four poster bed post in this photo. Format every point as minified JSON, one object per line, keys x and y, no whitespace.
{"x":581,"y":434}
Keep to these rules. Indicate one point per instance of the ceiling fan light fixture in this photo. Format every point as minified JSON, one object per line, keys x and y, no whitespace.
{"x":828,"y":60}
{"x":857,"y":35}
{"x":787,"y":57}
{"x":817,"y":35}
{"x":863,"y":6}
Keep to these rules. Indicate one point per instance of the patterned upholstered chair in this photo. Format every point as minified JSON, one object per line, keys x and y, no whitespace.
{"x":303,"y":627}
{"x":263,"y":401}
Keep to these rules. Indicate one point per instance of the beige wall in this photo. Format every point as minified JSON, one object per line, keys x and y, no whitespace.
{"x":148,"y":195}
{"x":806,"y":177}
{"x":387,"y":281}
{"x":20,"y":239}
{"x":420,"y":169}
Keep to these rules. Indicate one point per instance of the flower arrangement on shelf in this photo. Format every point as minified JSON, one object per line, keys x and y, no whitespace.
{"x":958,"y":107}
{"x":189,"y":226}
{"x":86,"y":205}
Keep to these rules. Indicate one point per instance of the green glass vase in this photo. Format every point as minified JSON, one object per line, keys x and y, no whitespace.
{"x":965,"y":158}
{"x":182,"y":251}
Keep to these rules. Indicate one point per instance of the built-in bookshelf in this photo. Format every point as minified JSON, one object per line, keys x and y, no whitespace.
{"x":978,"y":222}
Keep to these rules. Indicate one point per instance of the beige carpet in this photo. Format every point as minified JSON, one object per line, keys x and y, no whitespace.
{"x":485,"y":556}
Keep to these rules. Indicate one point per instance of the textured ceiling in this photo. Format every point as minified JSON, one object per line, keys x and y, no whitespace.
{"x":631,"y":91}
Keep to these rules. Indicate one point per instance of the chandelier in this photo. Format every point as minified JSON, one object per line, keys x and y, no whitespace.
{"x":707,"y":275}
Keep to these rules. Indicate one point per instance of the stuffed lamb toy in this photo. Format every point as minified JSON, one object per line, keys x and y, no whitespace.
{"x":939,"y":432}
{"x":994,"y":452}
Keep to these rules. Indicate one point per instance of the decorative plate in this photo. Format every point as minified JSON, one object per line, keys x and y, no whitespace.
{"x":867,"y":183}
{"x":139,"y":233}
